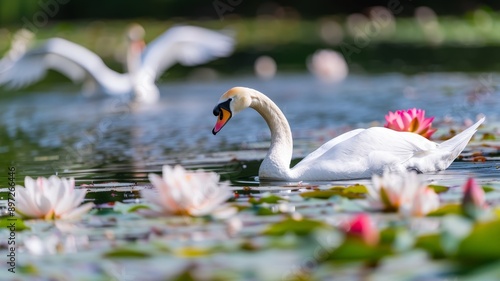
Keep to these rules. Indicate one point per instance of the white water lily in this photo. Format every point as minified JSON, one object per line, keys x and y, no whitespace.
{"x":52,"y":198}
{"x":182,"y":192}
{"x":424,"y":201}
{"x":403,"y":192}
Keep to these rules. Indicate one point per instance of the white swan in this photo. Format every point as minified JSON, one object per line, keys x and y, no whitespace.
{"x":187,"y":45}
{"x":355,"y":154}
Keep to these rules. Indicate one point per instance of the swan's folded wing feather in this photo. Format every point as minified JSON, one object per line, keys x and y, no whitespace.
{"x":402,"y":145}
{"x":187,"y":45}
{"x":387,"y":149}
{"x":373,"y":147}
{"x":68,"y":58}
{"x":328,"y":145}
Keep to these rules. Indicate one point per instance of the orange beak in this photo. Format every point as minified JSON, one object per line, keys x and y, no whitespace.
{"x":223,"y":113}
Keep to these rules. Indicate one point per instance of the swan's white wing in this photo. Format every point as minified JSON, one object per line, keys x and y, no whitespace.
{"x":328,"y":145}
{"x":187,"y":45}
{"x":29,"y":70}
{"x":360,"y":153}
{"x":72,"y":60}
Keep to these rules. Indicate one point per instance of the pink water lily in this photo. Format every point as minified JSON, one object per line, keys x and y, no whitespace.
{"x":473,"y":200}
{"x":182,"y":192}
{"x":52,"y":198}
{"x":362,"y":227}
{"x":473,"y":193}
{"x":412,"y":120}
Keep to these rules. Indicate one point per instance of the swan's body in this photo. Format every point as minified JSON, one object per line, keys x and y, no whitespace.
{"x":352,"y":155}
{"x":187,"y":45}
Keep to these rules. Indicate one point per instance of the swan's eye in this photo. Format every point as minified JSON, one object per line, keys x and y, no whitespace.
{"x":216,"y":110}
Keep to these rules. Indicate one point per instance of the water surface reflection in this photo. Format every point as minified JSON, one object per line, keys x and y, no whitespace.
{"x":100,"y":140}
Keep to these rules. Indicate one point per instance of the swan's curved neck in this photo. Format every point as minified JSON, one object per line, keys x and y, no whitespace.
{"x":276,"y":165}
{"x":134,"y":52}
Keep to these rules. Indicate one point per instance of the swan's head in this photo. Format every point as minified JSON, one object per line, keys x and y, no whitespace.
{"x":135,"y":32}
{"x":231,"y":102}
{"x":135,"y":36}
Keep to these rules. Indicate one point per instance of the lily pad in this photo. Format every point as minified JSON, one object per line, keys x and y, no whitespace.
{"x":488,"y":136}
{"x":126,"y":253}
{"x":480,"y":245}
{"x":447,"y":210}
{"x":321,"y":194}
{"x":298,"y":227}
{"x":439,"y":188}
{"x":15,"y":222}
{"x":28,"y":269}
{"x":431,"y":243}
{"x":264,"y":211}
{"x":357,"y":188}
{"x":354,"y":249}
{"x":351,"y":192}
{"x":129,"y":208}
{"x":487,"y":188}
{"x":192,"y":252}
{"x":270,"y":199}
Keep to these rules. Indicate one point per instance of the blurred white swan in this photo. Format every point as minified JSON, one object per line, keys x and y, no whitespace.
{"x":328,"y":65}
{"x":187,"y":45}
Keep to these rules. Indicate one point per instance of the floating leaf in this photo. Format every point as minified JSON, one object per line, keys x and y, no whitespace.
{"x":487,"y":188}
{"x":388,"y":235}
{"x":125,"y":253}
{"x":298,"y":227}
{"x":192,"y":252}
{"x":439,"y":188}
{"x":447,"y":210}
{"x":357,"y":188}
{"x":352,"y":192}
{"x":321,"y":194}
{"x":488,"y":136}
{"x":263,"y":211}
{"x":240,"y":207}
{"x":480,"y":245}
{"x":28,"y":269}
{"x":129,"y":208}
{"x":270,"y":199}
{"x":355,"y":249}
{"x":248,"y":245}
{"x":432,"y":244}
{"x":16,"y":223}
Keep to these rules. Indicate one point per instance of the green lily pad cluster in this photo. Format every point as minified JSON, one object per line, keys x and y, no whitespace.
{"x":352,"y":192}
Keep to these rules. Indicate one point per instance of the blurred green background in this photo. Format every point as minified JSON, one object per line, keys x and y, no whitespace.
{"x":374,"y":36}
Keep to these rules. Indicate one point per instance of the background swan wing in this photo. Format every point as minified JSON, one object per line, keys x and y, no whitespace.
{"x":187,"y":45}
{"x":68,"y":58}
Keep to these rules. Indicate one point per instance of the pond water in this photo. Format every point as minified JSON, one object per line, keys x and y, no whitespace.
{"x":110,"y":147}
{"x":105,"y":139}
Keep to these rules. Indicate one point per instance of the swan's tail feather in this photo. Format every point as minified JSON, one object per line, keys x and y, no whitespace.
{"x":458,"y":143}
